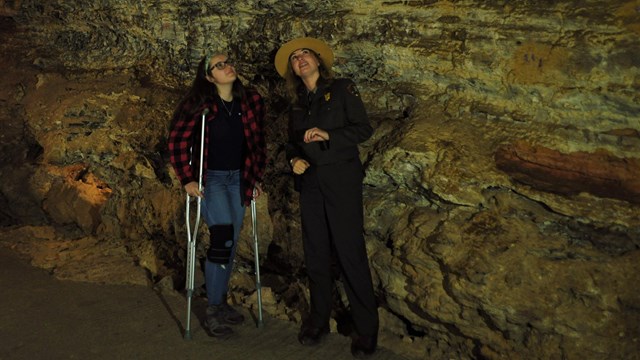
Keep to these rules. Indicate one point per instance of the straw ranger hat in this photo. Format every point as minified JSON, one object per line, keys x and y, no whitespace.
{"x":320,"y":47}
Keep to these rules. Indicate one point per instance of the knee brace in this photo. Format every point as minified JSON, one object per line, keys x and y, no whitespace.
{"x":221,"y":243}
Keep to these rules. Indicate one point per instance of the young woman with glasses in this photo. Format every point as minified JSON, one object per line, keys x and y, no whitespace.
{"x":233,"y":161}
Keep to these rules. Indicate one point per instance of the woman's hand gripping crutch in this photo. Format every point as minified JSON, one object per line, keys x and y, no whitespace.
{"x":191,"y":237}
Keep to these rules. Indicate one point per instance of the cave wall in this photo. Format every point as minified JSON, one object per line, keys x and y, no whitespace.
{"x":502,"y":191}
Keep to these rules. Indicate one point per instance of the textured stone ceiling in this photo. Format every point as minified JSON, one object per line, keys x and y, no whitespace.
{"x":502,"y":197}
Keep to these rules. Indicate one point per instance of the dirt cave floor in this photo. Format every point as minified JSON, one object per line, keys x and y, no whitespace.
{"x":45,"y":318}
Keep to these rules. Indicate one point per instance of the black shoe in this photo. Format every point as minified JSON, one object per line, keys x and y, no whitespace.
{"x":225,"y":314}
{"x":229,"y":315}
{"x":363,"y":346}
{"x":217,"y":330}
{"x":311,"y":335}
{"x":215,"y":325}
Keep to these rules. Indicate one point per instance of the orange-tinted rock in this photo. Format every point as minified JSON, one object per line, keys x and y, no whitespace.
{"x":77,"y":197}
{"x":599,"y":173}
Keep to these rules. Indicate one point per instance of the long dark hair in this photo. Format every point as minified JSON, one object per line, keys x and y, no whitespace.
{"x":202,"y":90}
{"x":293,"y":81}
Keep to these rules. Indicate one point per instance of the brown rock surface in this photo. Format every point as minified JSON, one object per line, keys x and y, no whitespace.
{"x":597,"y":173}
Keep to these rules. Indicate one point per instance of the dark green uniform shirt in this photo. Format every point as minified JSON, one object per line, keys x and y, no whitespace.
{"x":337,"y":108}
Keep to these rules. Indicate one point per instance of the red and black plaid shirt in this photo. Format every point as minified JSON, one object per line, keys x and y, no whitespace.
{"x":184,"y":137}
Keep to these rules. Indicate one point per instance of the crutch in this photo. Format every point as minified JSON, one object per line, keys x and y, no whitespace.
{"x":254,"y":222}
{"x":191,"y":238}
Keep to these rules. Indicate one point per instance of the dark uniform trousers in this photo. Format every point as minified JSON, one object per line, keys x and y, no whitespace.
{"x":332,"y":213}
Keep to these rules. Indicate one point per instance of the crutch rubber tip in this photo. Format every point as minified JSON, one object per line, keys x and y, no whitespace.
{"x":187,"y":335}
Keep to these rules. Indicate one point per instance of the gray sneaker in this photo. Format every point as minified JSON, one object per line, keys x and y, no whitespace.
{"x":214,"y":324}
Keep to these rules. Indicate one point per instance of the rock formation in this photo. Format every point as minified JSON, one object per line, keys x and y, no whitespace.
{"x":502,"y":191}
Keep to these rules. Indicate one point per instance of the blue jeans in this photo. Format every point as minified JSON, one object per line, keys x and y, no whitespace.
{"x":222,"y":205}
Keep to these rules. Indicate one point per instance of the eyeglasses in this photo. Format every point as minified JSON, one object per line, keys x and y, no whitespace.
{"x":221,"y":65}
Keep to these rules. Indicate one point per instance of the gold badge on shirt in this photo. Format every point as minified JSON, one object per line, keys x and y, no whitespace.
{"x":327,"y":96}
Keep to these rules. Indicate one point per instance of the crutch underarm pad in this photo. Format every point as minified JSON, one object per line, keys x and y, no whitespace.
{"x":221,"y":243}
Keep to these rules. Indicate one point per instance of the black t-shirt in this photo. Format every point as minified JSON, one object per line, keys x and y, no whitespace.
{"x":226,"y":137}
